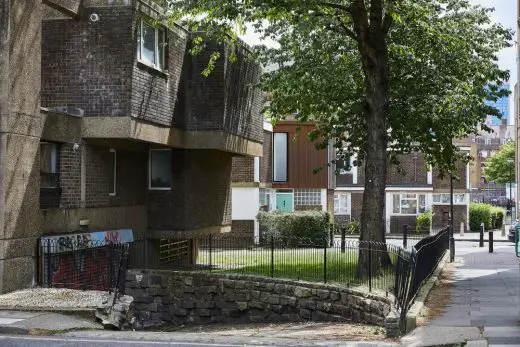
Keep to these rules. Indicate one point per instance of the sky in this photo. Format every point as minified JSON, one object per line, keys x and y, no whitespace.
{"x":505,"y":13}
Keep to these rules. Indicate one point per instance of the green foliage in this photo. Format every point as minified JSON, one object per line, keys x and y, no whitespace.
{"x":351,"y":227}
{"x":500,"y":167}
{"x":441,"y":56}
{"x":492,"y":216}
{"x":424,"y":221}
{"x":293,"y":227}
{"x":497,"y":217}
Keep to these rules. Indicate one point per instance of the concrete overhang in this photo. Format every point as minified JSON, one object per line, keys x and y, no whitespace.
{"x":134,"y":129}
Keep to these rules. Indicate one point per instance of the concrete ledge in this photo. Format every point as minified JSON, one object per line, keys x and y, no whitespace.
{"x":89,"y":313}
{"x":417,"y":307}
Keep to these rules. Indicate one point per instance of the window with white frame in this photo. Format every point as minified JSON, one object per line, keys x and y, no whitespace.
{"x":307,"y":197}
{"x":411,"y":204}
{"x":152,"y":45}
{"x":487,"y":141}
{"x":280,"y":147}
{"x":341,"y":203}
{"x":112,"y":172}
{"x":160,"y":169}
{"x":443,"y":199}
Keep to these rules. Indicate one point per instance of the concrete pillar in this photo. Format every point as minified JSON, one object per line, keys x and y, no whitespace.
{"x":20,"y":131}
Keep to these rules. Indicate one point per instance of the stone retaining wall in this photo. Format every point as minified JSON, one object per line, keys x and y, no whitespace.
{"x":198,"y":298}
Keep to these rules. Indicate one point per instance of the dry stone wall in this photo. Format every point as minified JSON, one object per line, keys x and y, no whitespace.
{"x":174,"y":297}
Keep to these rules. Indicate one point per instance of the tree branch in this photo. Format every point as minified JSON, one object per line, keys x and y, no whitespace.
{"x":334,"y":6}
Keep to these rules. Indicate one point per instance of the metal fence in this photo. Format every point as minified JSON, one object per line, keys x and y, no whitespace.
{"x":415,"y":267}
{"x":333,"y":261}
{"x":92,"y":266}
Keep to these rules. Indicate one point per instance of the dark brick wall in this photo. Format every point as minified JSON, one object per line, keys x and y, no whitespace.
{"x":200,"y":195}
{"x":227,"y":99}
{"x":410,"y":171}
{"x":70,"y":176}
{"x":243,"y":169}
{"x":397,"y":224}
{"x":131,"y":179}
{"x":266,"y":162}
{"x":154,"y":94}
{"x":87,"y":64}
{"x":244,"y":228}
{"x":444,"y":183}
{"x":97,"y":180}
{"x":441,"y":214}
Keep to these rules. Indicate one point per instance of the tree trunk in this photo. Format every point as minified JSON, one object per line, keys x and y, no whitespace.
{"x":374,"y":55}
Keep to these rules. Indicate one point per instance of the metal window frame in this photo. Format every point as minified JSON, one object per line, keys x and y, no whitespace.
{"x":150,"y":169}
{"x":157,"y":51}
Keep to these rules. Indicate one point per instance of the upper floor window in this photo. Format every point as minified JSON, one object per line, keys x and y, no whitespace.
{"x":280,"y":146}
{"x":487,"y":141}
{"x":411,"y":204}
{"x":160,"y":170}
{"x":152,"y":45}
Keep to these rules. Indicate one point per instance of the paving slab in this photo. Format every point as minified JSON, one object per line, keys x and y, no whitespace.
{"x":16,"y":322}
{"x":484,"y":295}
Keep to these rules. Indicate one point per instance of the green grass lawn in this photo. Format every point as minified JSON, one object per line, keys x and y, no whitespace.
{"x":296,"y":264}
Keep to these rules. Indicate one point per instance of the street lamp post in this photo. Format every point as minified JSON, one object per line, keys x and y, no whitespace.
{"x":452,"y":240}
{"x":510,"y":162}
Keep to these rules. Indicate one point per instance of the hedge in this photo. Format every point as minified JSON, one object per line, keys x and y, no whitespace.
{"x":424,"y":221}
{"x":493,"y":217}
{"x":293,"y":228}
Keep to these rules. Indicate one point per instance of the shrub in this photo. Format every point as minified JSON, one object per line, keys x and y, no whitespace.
{"x":479,"y":213}
{"x":497,"y":217}
{"x":351,"y":227}
{"x":294,"y":227}
{"x":424,"y":221}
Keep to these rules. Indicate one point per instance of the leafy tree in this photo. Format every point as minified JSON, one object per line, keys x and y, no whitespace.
{"x":380,"y":77}
{"x":500,"y":167}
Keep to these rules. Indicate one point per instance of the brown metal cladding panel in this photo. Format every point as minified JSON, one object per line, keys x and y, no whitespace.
{"x":303,"y":158}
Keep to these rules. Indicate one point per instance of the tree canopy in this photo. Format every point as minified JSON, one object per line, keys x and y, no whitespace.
{"x":379,"y":77}
{"x":500,"y":167}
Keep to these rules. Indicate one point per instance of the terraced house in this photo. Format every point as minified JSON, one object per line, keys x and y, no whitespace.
{"x":411,"y":188}
{"x":107,"y":124}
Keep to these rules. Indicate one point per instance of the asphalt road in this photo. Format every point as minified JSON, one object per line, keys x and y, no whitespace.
{"x":54,"y":341}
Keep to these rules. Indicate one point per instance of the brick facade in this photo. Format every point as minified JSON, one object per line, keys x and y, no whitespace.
{"x":200,"y":195}
{"x":227,"y":99}
{"x":243,"y":170}
{"x":266,"y":162}
{"x":411,"y":170}
{"x":244,"y":228}
{"x":70,"y":176}
{"x":441,"y":214}
{"x":88,"y":65}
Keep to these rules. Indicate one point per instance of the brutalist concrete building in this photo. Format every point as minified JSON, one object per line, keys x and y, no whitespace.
{"x":107,"y":124}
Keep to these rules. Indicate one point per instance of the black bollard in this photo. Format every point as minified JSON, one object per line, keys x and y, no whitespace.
{"x":481,"y":242}
{"x":490,"y":242}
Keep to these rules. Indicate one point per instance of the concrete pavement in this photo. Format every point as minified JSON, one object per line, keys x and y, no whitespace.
{"x":22,"y":322}
{"x":484,"y":304}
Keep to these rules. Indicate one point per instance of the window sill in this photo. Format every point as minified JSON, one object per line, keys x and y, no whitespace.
{"x":152,"y":69}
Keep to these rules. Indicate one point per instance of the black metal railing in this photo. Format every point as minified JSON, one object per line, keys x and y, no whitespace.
{"x":415,"y":267}
{"x":91,"y":266}
{"x":331,"y":261}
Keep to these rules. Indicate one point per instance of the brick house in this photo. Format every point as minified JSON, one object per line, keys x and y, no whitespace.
{"x":107,"y":122}
{"x":252,"y":187}
{"x":411,"y":188}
